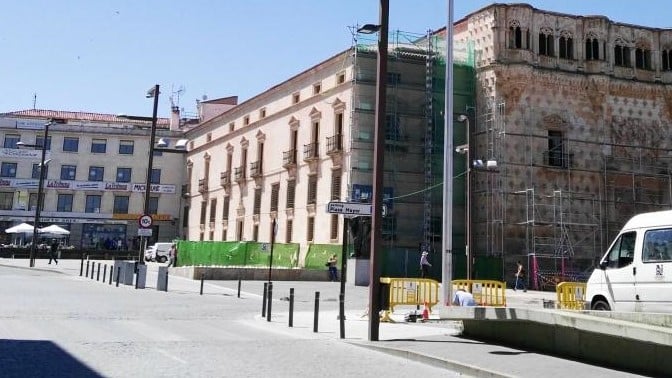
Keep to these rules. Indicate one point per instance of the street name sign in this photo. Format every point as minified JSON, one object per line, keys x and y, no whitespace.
{"x":349,"y":208}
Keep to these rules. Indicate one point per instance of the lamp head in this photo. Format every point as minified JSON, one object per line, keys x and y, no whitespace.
{"x":20,"y":144}
{"x":182,"y":144}
{"x":162,"y":143}
{"x":462,"y":118}
{"x":369,"y":29}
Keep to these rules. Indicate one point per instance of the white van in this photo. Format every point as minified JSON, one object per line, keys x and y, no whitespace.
{"x":636,"y":272}
{"x":158,"y":252}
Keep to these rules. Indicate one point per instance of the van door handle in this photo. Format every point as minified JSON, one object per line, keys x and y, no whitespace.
{"x":634,"y":270}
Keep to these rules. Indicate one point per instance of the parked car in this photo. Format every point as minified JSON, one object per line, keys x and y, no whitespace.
{"x":158,"y":252}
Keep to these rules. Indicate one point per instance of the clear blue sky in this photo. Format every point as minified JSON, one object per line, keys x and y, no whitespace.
{"x":102,"y":55}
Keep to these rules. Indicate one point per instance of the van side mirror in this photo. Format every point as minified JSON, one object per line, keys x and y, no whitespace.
{"x":603,"y":264}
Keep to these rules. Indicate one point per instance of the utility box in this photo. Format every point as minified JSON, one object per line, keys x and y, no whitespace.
{"x":162,"y":280}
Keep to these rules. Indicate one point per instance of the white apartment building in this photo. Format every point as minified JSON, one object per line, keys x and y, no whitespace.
{"x":95,"y":180}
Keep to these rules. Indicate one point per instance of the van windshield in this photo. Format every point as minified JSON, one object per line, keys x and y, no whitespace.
{"x":623,"y":251}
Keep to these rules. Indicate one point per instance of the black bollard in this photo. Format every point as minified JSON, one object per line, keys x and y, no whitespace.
{"x":105,"y":273}
{"x":202,"y":279}
{"x":166,"y":280}
{"x":316,"y":315}
{"x":291,"y":307}
{"x":239,"y":288}
{"x":263,"y":300}
{"x":81,"y":267}
{"x":341,"y":312}
{"x":87,"y":269}
{"x":98,"y":273}
{"x":118,"y":274}
{"x":270,"y":301}
{"x":93,"y":268}
{"x":111,"y":273}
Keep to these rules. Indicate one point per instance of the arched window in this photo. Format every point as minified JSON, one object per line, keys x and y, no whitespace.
{"x":515,"y":35}
{"x":621,"y":54}
{"x":666,"y":60}
{"x":546,"y":42}
{"x":566,"y":46}
{"x":643,"y":58}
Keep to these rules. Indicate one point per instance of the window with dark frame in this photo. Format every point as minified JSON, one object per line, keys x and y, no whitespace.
{"x":213,"y":210}
{"x":64,"y":203}
{"x":312,"y":190}
{"x":336,"y":185}
{"x":566,"y":47}
{"x":120,"y":205}
{"x":32,"y":201}
{"x":225,"y":208}
{"x":70,"y":144}
{"x":6,"y":200}
{"x":92,"y":204}
{"x":8,"y":169}
{"x":124,"y":174}
{"x":310,"y":229}
{"x":643,"y":59}
{"x":592,"y":49}
{"x":515,"y":37}
{"x":68,"y":172}
{"x":666,"y":60}
{"x":255,"y":232}
{"x":126,"y":147}
{"x":36,"y":171}
{"x":333,"y":235}
{"x":556,"y":155}
{"x":204,"y":209}
{"x":11,"y":140}
{"x":257,"y":201}
{"x":622,"y":55}
{"x":153,"y":207}
{"x":546,"y":44}
{"x":40,"y":139}
{"x":99,"y":146}
{"x":275,"y":194}
{"x":156,"y":176}
{"x":96,"y":173}
{"x":288,"y":231}
{"x":291,"y":191}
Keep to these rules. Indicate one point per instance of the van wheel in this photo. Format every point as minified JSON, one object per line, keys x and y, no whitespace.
{"x":161,"y":259}
{"x":600,"y":305}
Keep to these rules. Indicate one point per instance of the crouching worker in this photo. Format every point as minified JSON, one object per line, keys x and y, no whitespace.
{"x":463,"y":298}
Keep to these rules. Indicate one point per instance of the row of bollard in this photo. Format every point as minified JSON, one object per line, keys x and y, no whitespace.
{"x":162,"y":283}
{"x":267,"y":297}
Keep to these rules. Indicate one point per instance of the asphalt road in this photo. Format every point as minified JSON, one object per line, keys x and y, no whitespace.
{"x":55,"y":324}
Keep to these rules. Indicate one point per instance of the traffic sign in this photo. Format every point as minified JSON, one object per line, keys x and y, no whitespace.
{"x":145,"y":221}
{"x":349,"y":208}
{"x":144,"y":232}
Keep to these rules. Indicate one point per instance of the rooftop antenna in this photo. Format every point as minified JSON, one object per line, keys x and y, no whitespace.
{"x":34,"y":100}
{"x":176,"y":96}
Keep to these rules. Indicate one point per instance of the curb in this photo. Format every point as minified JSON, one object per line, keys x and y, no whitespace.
{"x":451,"y":365}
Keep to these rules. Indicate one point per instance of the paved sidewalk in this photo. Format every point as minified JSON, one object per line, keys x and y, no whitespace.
{"x":436,"y":342}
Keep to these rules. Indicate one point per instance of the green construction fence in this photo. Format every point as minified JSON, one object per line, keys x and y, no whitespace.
{"x":250,"y":254}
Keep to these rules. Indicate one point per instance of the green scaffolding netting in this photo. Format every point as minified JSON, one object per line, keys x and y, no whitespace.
{"x":318,"y":254}
{"x":236,"y":254}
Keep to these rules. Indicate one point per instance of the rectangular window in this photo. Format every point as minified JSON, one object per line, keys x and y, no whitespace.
{"x":8,"y":170}
{"x":340,"y":78}
{"x":262,"y":113}
{"x":255,"y":232}
{"x":126,"y":147}
{"x":211,"y":235}
{"x":204,"y":209}
{"x":32,"y":202}
{"x":291,"y":190}
{"x":213,"y":210}
{"x":99,"y":146}
{"x":225,"y":208}
{"x":224,"y":234}
{"x":310,"y":229}
{"x":312,"y":190}
{"x":336,"y":185}
{"x":70,"y":144}
{"x":288,"y":231}
{"x":185,"y":217}
{"x":11,"y":140}
{"x":334,"y":227}
{"x":92,"y":204}
{"x":96,"y":173}
{"x":64,"y":203}
{"x":257,"y":201}
{"x":153,"y":206}
{"x":275,"y":193}
{"x":156,"y":176}
{"x":296,"y":97}
{"x":124,"y":174}
{"x":643,"y":59}
{"x":40,"y":139}
{"x":246,"y":120}
{"x":566,"y":48}
{"x":36,"y":171}
{"x":239,"y":230}
{"x":232,"y":126}
{"x":120,"y":205}
{"x":317,"y":88}
{"x":556,"y":155}
{"x":68,"y":172}
{"x":6,"y":200}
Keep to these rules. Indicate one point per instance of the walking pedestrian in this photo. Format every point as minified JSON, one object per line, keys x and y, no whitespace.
{"x":53,"y":251}
{"x":520,"y":277}
{"x":172,"y":255}
{"x":424,"y":264}
{"x":333,"y":272}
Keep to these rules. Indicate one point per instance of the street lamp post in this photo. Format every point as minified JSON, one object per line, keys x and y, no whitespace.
{"x":378,"y":167}
{"x":151,"y":93}
{"x":40,"y":189}
{"x":467,"y":188}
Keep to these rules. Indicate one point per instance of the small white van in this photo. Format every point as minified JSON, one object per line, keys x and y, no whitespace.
{"x":636,"y":272}
{"x":158,"y":252}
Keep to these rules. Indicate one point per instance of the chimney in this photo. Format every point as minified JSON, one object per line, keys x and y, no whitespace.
{"x":174,"y":118}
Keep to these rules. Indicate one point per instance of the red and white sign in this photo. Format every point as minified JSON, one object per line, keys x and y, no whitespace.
{"x":145,"y":221}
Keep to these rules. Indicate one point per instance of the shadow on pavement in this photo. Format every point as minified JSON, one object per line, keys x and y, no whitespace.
{"x":39,"y":358}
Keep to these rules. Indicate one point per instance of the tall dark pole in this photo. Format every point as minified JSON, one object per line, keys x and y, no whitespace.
{"x":270,"y":259}
{"x":378,"y":173}
{"x":150,"y":164}
{"x":468,"y":203}
{"x":344,"y":267}
{"x":40,"y":190}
